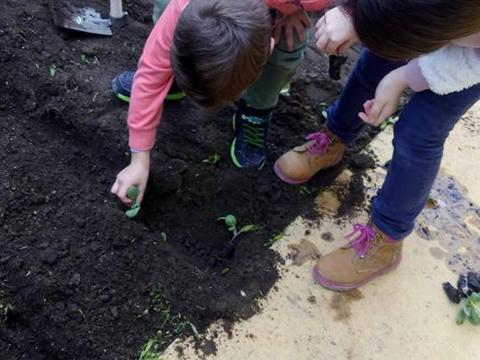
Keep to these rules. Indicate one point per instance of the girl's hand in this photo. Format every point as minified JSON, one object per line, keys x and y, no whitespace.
{"x":291,"y":24}
{"x":387,"y":98}
{"x":335,"y":32}
{"x":135,"y":174}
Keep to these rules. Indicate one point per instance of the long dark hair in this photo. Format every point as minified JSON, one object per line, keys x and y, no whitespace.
{"x":406,"y":29}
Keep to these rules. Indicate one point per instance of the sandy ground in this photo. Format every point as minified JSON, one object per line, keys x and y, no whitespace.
{"x":403,"y":315}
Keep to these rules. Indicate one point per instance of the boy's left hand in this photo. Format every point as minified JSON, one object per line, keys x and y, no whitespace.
{"x":387,"y":98}
{"x":291,"y":24}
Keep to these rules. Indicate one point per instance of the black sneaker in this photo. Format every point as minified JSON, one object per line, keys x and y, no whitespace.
{"x":122,"y":87}
{"x":248,"y":147}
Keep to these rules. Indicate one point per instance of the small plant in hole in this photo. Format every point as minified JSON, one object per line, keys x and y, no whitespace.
{"x":6,"y":309}
{"x":232,"y":225}
{"x":213,"y":159}
{"x":470,"y":310}
{"x":132,"y":194}
{"x":52,"y":70}
{"x":88,"y":58}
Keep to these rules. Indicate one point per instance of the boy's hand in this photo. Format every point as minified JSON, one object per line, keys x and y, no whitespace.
{"x":135,"y":174}
{"x":335,"y":32}
{"x":291,"y":24}
{"x":387,"y":98}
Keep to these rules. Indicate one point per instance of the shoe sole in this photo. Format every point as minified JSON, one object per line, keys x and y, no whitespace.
{"x":125,"y":98}
{"x":332,"y":285}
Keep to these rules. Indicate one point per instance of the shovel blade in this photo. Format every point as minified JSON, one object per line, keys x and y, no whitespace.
{"x":85,"y":19}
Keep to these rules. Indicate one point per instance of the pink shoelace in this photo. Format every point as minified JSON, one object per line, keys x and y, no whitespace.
{"x":364,"y":240}
{"x":320,"y":143}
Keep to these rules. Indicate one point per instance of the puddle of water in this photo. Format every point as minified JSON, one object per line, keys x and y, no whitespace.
{"x":299,"y":254}
{"x":327,"y":236}
{"x":329,"y":201}
{"x":341,"y":303}
{"x":454,"y":221}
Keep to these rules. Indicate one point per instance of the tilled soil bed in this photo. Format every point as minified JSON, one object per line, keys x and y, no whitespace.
{"x":86,"y":282}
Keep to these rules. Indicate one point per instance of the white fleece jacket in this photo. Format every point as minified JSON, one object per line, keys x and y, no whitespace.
{"x":451,"y":69}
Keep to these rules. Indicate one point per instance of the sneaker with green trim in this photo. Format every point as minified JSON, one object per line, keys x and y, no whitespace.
{"x":122,"y":88}
{"x":248,"y":149}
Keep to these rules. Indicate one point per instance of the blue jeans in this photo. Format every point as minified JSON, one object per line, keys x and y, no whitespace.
{"x":419,"y":138}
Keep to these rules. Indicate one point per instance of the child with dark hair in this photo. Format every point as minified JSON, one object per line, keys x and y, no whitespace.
{"x":215,"y":50}
{"x":430,"y":46}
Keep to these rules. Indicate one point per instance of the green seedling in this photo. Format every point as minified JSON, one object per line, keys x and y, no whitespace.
{"x":212,"y":159}
{"x":6,"y":309}
{"x":52,"y":70}
{"x":274,"y":239}
{"x":171,"y":326}
{"x":132,"y":194}
{"x":390,"y":121}
{"x":163,"y":236}
{"x":470,"y":310}
{"x":304,"y":190}
{"x":150,"y":350}
{"x":232,"y":225}
{"x":85,"y":59}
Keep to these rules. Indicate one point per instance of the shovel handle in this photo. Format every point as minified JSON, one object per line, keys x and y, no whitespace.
{"x":116,"y":9}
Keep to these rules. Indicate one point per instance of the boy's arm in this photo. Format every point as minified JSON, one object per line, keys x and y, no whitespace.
{"x":152,"y":81}
{"x":288,"y":7}
{"x":448,"y":70}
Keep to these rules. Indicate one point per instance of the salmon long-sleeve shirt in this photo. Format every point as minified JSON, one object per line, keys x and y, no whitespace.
{"x":154,"y":75}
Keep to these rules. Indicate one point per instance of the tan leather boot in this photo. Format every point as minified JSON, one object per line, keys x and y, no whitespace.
{"x":322,"y":150}
{"x":370,"y":255}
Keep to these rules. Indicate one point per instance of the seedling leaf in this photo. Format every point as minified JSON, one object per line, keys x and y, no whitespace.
{"x":84,"y":58}
{"x":132,"y":193}
{"x":248,"y":228}
{"x":305,"y":190}
{"x":212,"y":159}
{"x":470,"y":309}
{"x":230,"y":221}
{"x":460,"y":317}
{"x":390,"y":121}
{"x":274,"y":239}
{"x":52,"y":70}
{"x":133,"y":211}
{"x":195,"y":331}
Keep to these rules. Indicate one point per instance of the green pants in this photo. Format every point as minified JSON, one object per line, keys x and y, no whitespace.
{"x":276,"y":73}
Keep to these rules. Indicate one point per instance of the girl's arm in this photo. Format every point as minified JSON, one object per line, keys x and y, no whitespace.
{"x":450,"y":69}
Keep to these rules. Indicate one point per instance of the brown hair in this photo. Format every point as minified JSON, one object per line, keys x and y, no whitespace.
{"x":406,"y":29}
{"x":219,"y":49}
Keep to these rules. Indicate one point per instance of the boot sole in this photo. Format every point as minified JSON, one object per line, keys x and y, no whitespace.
{"x":331,"y":285}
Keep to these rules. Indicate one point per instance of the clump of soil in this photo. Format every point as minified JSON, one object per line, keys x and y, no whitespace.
{"x":78,"y":273}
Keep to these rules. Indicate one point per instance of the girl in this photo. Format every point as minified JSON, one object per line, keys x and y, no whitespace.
{"x":441,"y":40}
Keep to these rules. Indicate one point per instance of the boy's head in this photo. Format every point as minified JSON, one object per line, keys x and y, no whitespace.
{"x":406,"y":29}
{"x":219,"y":49}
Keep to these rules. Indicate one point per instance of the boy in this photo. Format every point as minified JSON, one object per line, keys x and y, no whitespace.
{"x":215,"y":49}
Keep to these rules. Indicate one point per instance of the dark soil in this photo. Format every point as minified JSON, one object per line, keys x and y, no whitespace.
{"x":77,"y":271}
